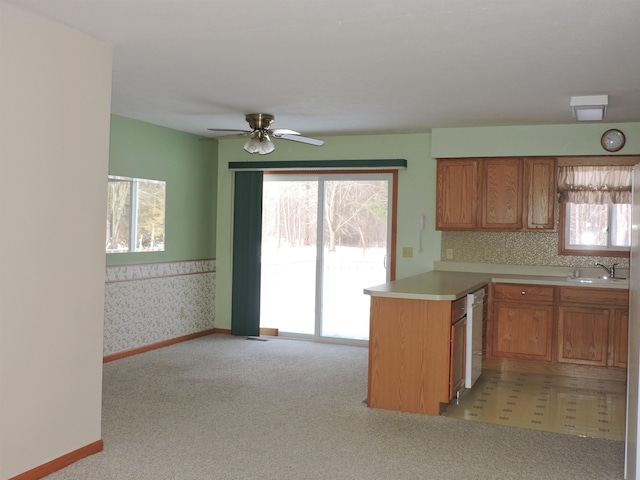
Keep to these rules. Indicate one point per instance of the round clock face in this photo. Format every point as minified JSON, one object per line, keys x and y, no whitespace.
{"x":612,"y":140}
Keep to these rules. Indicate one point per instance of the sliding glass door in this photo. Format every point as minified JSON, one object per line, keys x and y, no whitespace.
{"x":324,"y":239}
{"x":289,"y":254}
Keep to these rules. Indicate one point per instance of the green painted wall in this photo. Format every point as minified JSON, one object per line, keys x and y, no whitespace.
{"x":189,"y":166}
{"x":535,"y":140}
{"x":416,"y":195}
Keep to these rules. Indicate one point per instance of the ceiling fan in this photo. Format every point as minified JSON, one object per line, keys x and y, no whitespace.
{"x":261,"y":133}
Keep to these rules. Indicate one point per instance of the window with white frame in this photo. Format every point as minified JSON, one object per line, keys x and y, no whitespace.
{"x":135,"y":215}
{"x":595,"y":210}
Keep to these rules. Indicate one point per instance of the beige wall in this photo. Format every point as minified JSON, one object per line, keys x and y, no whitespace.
{"x":55,"y":93}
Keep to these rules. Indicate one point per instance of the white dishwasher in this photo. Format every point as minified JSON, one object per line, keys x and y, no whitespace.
{"x":475,"y":306}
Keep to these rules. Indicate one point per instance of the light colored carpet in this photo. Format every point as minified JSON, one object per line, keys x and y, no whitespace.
{"x":223,"y":407}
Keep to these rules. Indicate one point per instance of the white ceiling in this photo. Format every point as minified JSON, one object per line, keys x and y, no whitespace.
{"x":326,"y":67}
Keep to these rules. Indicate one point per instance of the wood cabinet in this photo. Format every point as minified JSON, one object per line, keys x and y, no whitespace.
{"x":582,"y":326}
{"x":619,"y":338}
{"x":457,"y":194}
{"x":501,"y":193}
{"x":542,"y":180}
{"x":416,"y":354}
{"x":485,"y":324}
{"x":523,"y":318}
{"x":457,"y":367}
{"x":583,"y":335}
{"x":592,"y":326}
{"x":489,"y":194}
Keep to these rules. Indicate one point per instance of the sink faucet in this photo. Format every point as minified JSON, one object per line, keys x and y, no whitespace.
{"x":610,"y":271}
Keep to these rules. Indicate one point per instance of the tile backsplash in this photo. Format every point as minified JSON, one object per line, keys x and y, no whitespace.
{"x":514,"y":248}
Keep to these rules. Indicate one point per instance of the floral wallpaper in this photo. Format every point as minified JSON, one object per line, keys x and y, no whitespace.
{"x":150,"y":303}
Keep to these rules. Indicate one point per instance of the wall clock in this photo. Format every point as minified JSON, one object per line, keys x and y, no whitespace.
{"x":612,"y":140}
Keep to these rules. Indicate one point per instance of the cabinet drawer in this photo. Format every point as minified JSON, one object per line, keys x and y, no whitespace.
{"x":595,"y":296}
{"x":458,"y":309}
{"x":523,"y":293}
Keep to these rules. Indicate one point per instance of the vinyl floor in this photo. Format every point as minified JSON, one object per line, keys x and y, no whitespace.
{"x":576,"y":406}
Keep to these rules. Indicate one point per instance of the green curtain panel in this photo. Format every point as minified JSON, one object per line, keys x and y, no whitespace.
{"x":247,"y":233}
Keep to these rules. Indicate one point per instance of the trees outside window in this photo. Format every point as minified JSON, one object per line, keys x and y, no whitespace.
{"x":135,"y":215}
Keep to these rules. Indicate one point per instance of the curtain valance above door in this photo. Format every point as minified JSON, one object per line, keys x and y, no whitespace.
{"x":382,"y":164}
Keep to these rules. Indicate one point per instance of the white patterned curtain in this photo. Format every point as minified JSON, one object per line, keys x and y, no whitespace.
{"x":595,"y":184}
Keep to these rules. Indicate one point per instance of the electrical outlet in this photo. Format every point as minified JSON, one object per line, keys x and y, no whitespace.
{"x":407,"y":252}
{"x":449,"y":253}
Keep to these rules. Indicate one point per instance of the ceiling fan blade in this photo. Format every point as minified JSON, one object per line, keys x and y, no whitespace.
{"x":298,"y":138}
{"x":278,"y":132}
{"x":229,"y":132}
{"x":239,"y":132}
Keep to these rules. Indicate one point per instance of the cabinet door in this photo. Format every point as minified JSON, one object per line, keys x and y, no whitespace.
{"x":502,"y":192}
{"x":541,"y":181}
{"x":457,"y":194}
{"x":522,"y":331}
{"x":620,"y":328}
{"x":458,"y":355}
{"x":583,"y":335}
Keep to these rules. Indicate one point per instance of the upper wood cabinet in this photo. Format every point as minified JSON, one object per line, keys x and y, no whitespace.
{"x":496,"y":194}
{"x":542,"y":189}
{"x":457,"y":194}
{"x":501,"y":193}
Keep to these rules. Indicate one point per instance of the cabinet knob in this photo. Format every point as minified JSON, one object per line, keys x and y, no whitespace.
{"x":523,"y":293}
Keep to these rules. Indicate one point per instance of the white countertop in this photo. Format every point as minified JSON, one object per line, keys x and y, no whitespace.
{"x":450,"y":285}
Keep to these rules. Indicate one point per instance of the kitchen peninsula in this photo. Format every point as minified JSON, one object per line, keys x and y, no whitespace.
{"x":417,"y":334}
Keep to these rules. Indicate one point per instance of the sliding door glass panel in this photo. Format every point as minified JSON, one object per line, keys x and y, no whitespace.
{"x":289,"y":255}
{"x":325,"y":239}
{"x":355,"y":239}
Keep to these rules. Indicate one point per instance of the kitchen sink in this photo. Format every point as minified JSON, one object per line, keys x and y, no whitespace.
{"x":603,"y":279}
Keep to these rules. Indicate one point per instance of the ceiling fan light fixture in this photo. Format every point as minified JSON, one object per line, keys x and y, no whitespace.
{"x":259,"y":137}
{"x":267,"y":146}
{"x":260,"y":144}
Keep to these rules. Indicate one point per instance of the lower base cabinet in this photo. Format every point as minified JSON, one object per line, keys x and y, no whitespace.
{"x":592,"y":326}
{"x":523,"y":318}
{"x":583,"y":335}
{"x":619,"y":338}
{"x":457,"y":367}
{"x":567,"y":325}
{"x":417,"y":347}
{"x":416,"y":354}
